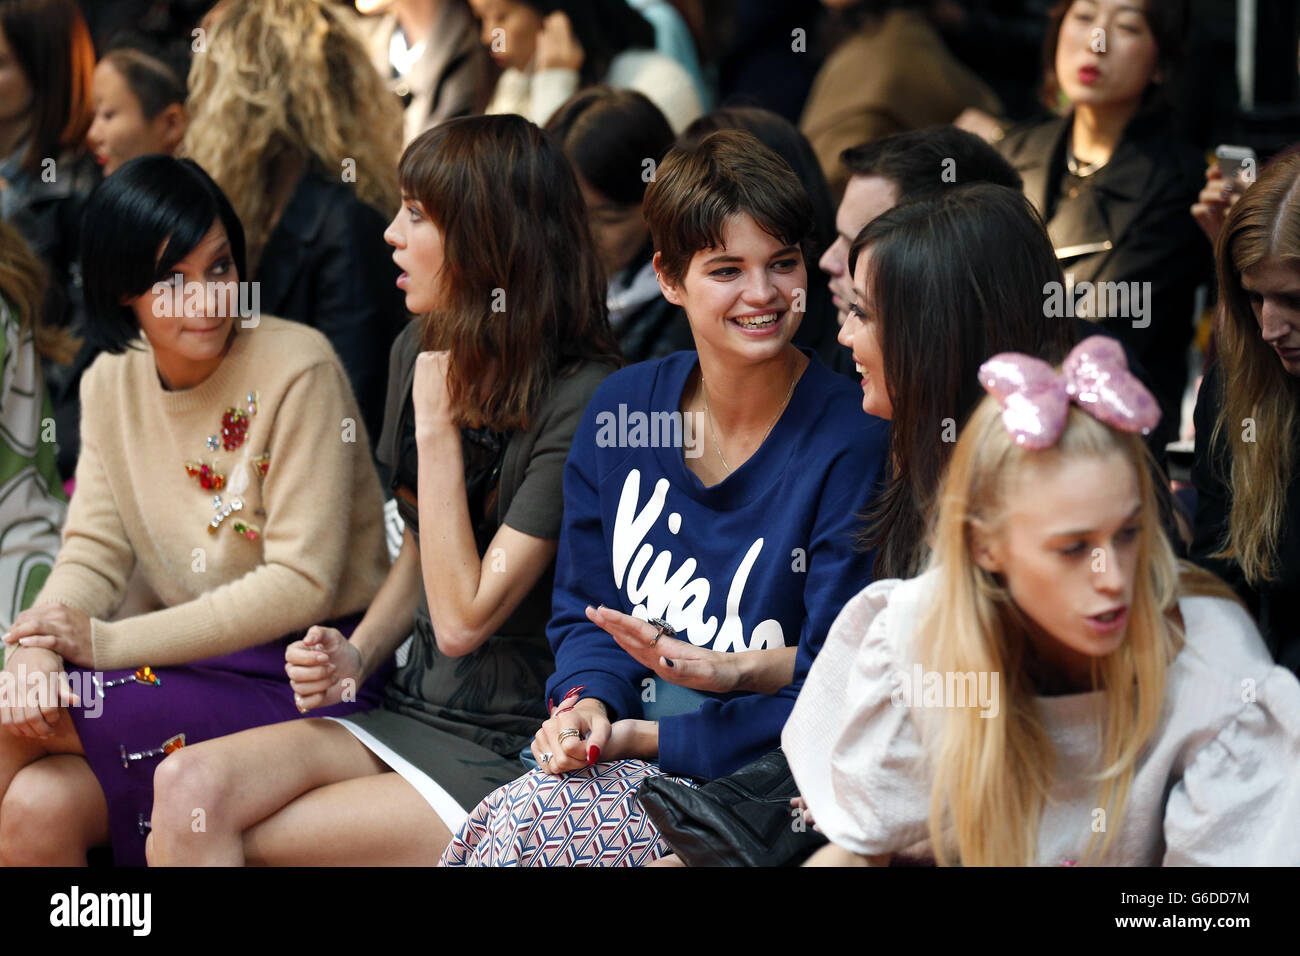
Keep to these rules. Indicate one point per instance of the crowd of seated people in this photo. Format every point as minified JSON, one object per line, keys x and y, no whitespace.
{"x":433,"y":433}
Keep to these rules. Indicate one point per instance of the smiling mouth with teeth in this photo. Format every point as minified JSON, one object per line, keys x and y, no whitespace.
{"x":758,"y":321}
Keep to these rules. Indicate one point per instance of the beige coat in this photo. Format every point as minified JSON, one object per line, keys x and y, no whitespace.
{"x":894,"y":75}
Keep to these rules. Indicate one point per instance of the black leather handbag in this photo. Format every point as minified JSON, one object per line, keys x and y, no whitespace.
{"x":744,"y":819}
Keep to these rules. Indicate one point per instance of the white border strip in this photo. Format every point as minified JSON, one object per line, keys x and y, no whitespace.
{"x":1247,"y":27}
{"x":449,"y":811}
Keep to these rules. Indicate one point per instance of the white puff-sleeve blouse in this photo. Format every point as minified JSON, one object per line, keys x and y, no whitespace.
{"x":1219,"y":783}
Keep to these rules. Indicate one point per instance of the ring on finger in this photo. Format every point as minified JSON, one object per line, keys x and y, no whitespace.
{"x":569,"y":732}
{"x":545,"y":758}
{"x":665,"y":629}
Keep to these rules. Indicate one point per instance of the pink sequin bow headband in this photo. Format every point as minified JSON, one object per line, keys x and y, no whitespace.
{"x":1035,"y":399}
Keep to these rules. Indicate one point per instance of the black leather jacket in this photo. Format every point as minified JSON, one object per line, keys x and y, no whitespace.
{"x":326,"y":265}
{"x":1130,"y":221}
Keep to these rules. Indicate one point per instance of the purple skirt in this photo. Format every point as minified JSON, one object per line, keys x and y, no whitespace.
{"x":202,"y":700}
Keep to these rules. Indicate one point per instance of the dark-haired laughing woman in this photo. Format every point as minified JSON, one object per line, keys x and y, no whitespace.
{"x":476,"y":433}
{"x":215,"y":462}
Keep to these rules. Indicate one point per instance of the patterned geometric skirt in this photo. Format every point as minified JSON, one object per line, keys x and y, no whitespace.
{"x":589,"y":817}
{"x":135,"y":724}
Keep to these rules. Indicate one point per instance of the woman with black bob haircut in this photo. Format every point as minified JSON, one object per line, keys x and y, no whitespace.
{"x":116,"y":262}
{"x":224,"y":464}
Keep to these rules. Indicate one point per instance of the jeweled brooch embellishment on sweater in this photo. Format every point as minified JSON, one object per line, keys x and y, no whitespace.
{"x":234,"y":433}
{"x":209,"y":478}
{"x":234,"y":428}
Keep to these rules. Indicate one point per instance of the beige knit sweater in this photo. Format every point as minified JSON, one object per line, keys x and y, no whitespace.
{"x":312,"y":546}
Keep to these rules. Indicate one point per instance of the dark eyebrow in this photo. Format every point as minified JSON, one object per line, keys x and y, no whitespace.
{"x":726,"y":258}
{"x":1084,"y":532}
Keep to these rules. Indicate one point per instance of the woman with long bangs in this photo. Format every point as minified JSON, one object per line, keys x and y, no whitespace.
{"x":735,"y":534}
{"x":476,"y":434}
{"x":211,"y":468}
{"x":293,"y":121}
{"x":1101,"y":716}
{"x":1247,"y":483}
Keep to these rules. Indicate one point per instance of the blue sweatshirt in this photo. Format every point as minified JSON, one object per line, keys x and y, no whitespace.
{"x":766,"y":558}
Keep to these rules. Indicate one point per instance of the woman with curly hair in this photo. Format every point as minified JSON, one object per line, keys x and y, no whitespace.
{"x":300,"y":131}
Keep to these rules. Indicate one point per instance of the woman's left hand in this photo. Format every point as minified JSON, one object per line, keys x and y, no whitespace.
{"x":429,"y":392}
{"x":55,"y":627}
{"x":557,"y":47}
{"x":677,"y":662}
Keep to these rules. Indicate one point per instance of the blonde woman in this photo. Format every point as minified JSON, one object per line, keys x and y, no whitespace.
{"x":1055,"y":689}
{"x":294,"y":123}
{"x":1248,"y":490}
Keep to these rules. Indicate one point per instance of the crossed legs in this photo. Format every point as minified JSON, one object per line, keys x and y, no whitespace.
{"x":300,"y":793}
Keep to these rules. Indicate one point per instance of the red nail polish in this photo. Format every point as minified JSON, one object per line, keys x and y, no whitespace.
{"x":593,"y":754}
{"x":550,"y":706}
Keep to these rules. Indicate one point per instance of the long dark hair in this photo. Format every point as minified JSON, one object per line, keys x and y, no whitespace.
{"x":52,"y":45}
{"x":605,"y":28}
{"x":953,"y":280}
{"x":523,"y":287}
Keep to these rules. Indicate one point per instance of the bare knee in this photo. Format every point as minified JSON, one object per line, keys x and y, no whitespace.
{"x":39,"y":819}
{"x":191,"y":784}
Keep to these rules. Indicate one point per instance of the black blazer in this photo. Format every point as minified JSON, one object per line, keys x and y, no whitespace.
{"x":1275,"y":604}
{"x":326,"y":265}
{"x":1129,"y":221}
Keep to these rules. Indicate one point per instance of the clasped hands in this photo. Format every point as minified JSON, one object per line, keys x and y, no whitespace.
{"x":55,"y":627}
{"x":39,"y":641}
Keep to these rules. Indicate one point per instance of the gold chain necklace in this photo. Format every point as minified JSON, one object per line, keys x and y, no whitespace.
{"x":713,"y":429}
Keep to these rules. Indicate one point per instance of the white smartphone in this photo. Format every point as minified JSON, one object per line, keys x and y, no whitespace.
{"x":1237,"y":162}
